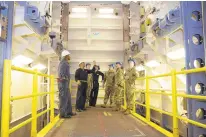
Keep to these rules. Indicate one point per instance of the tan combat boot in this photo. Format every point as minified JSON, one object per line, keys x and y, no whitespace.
{"x":127,"y":112}
{"x":123,"y":110}
{"x":115,"y":108}
{"x":87,"y":105}
{"x":118,"y":108}
{"x":103,"y":106}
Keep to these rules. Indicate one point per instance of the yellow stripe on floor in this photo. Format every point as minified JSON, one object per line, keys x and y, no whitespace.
{"x":109,"y":114}
{"x":105,"y":113}
{"x":60,"y":122}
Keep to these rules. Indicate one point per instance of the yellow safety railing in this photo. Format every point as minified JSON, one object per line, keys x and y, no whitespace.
{"x":174,"y":95}
{"x":6,"y":99}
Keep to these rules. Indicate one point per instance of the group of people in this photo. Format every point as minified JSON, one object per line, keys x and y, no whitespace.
{"x":88,"y":85}
{"x":114,"y":90}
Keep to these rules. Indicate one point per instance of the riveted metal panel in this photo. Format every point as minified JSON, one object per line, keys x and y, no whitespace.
{"x":193,"y":52}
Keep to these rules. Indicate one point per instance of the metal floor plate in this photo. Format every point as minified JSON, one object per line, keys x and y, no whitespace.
{"x":99,"y":122}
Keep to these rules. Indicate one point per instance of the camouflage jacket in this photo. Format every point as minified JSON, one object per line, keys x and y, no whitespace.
{"x":131,"y":75}
{"x":109,"y":77}
{"x":119,"y":77}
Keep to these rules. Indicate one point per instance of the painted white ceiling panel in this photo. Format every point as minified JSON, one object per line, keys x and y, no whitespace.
{"x":78,"y":22}
{"x":77,"y":34}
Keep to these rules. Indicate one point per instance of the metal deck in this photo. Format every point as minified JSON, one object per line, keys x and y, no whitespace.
{"x":99,"y":122}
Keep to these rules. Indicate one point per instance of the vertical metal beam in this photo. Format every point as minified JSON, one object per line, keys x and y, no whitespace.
{"x":48,"y":89}
{"x":10,"y":14}
{"x":64,"y":21}
{"x":192,"y":25}
{"x":89,"y":29}
{"x":34,"y":106}
{"x":147,"y":98}
{"x":52,"y":99}
{"x":204,"y":23}
{"x":126,"y":29}
{"x":6,"y":47}
{"x":6,"y":99}
{"x":174,"y":105}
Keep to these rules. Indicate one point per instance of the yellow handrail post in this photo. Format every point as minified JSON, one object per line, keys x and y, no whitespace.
{"x":5,"y":114}
{"x":125,"y":101}
{"x":134,"y":105}
{"x":34,"y":106}
{"x":52,"y":98}
{"x":147,"y":99}
{"x":174,"y":105}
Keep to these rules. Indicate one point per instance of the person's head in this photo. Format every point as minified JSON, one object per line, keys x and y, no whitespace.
{"x":88,"y":66}
{"x":118,"y":65}
{"x":65,"y":55}
{"x":131,"y":63}
{"x":82,"y":65}
{"x":111,"y":67}
{"x":96,"y":67}
{"x":94,"y":62}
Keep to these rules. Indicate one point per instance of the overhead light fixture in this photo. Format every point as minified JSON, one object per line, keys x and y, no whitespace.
{"x":140,"y":68}
{"x":39,"y":67}
{"x":125,"y":2}
{"x":78,"y":15}
{"x":177,"y":54}
{"x":106,"y":10}
{"x":79,"y":10}
{"x":21,"y":60}
{"x":152,"y":63}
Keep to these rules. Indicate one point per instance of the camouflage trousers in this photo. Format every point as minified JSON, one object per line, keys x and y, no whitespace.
{"x":89,"y":88}
{"x":109,"y":94}
{"x":129,"y":95}
{"x":118,"y":95}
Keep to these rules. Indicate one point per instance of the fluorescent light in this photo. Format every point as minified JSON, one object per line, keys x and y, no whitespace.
{"x":78,"y":15}
{"x":39,"y":67}
{"x":152,"y":63}
{"x":177,"y":54}
{"x":140,"y":68}
{"x":106,"y":10}
{"x":79,"y":10}
{"x":21,"y":60}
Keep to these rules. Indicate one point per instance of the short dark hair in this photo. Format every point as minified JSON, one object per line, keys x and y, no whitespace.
{"x":97,"y":66}
{"x":88,"y":64}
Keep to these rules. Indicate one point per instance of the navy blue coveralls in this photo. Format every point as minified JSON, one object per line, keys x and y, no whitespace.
{"x":65,"y":106}
{"x":82,"y":76}
{"x":95,"y":89}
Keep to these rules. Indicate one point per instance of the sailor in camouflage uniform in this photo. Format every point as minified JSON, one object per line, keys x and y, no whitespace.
{"x":89,"y":83}
{"x":130,"y":77}
{"x":109,"y":89}
{"x":119,"y":86}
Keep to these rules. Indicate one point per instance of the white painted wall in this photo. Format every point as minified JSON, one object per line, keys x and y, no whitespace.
{"x":22,"y":85}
